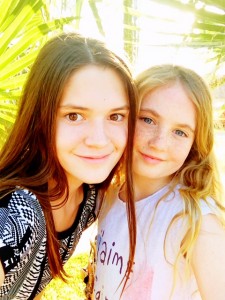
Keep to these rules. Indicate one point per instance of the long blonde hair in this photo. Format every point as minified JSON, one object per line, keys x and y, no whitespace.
{"x":199,"y":174}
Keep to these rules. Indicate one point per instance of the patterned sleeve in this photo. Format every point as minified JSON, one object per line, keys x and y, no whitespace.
{"x":19,"y":229}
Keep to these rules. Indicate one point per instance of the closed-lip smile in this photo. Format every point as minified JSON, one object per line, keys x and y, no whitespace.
{"x":151,"y":157}
{"x":94,"y":158}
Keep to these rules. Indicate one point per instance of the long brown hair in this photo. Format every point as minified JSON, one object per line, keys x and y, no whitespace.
{"x":28,"y":158}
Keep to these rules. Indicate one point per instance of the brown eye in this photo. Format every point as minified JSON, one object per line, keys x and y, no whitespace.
{"x":74,"y":117}
{"x":116,"y":117}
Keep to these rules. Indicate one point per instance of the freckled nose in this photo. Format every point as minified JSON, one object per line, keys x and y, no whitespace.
{"x":97,"y":135}
{"x":158,"y":139}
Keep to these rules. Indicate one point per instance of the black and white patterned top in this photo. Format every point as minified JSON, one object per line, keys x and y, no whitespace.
{"x":23,"y":236}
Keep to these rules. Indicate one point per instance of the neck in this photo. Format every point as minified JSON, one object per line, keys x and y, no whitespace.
{"x":64,"y":215}
{"x":144,"y":187}
{"x":75,"y":192}
{"x":76,"y":195}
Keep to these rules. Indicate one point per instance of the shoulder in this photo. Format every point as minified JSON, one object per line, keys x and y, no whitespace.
{"x":22,"y":226}
{"x":205,"y":206}
{"x":208,"y":258}
{"x":208,"y":206}
{"x":20,"y":198}
{"x":21,"y":208}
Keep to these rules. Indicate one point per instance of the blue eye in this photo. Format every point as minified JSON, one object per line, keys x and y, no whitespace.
{"x":73,"y":117}
{"x":180,"y":133}
{"x":147,"y":120}
{"x":116,"y":117}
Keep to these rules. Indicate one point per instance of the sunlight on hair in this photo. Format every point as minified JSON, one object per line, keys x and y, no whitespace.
{"x":159,"y":29}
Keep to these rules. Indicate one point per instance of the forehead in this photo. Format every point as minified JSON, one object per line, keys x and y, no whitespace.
{"x":170,"y":100}
{"x":95,"y":85}
{"x":171,"y":94}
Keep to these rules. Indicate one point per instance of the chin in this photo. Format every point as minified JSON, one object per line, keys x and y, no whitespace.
{"x":96,"y":179}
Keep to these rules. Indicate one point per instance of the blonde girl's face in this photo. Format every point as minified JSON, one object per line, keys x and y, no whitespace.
{"x":91,"y":128}
{"x":164,"y":135}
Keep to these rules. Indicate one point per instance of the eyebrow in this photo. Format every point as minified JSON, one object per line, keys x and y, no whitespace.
{"x":68,"y":106}
{"x":154,"y":113}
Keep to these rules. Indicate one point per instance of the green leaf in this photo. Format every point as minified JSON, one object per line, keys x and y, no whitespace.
{"x":24,"y":28}
{"x":79,"y":5}
{"x":6,"y":117}
{"x":34,"y":33}
{"x":94,"y":9}
{"x":17,"y":24}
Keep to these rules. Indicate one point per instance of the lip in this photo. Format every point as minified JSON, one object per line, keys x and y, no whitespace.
{"x":151,"y":158}
{"x":94,"y":159}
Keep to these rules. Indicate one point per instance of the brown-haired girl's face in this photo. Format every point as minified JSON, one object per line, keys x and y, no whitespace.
{"x":91,"y":124}
{"x":165,"y":133}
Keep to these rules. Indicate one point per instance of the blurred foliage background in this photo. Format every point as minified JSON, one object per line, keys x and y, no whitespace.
{"x":148,"y":31}
{"x":25,"y":25}
{"x":74,"y":288}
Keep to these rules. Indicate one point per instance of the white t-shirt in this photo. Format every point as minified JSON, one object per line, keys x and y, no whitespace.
{"x":153,"y":270}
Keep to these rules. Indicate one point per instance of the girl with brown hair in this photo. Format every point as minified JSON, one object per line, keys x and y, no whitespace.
{"x":73,"y":133}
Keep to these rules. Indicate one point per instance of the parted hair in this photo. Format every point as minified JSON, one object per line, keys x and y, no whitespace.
{"x":199,"y":174}
{"x":28,"y":158}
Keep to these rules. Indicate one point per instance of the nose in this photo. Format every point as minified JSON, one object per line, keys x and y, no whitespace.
{"x":97,"y":135}
{"x":159,"y":139}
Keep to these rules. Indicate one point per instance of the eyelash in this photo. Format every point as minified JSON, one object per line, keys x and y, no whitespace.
{"x":120,"y":117}
{"x":183,"y":134}
{"x":149,"y":121}
{"x":145,"y":120}
{"x":79,"y":117}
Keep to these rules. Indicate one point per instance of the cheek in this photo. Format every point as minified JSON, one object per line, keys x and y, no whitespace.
{"x":66,"y":140}
{"x":183,"y":150}
{"x":142,"y":136}
{"x":119,"y":135}
{"x":138,"y":140}
{"x":122,"y":136}
{"x":62,"y":136}
{"x":137,"y":137}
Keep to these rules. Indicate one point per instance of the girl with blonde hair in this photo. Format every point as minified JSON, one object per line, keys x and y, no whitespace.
{"x":180,"y":252}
